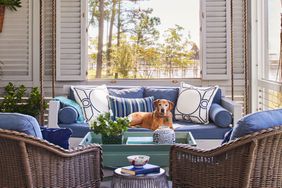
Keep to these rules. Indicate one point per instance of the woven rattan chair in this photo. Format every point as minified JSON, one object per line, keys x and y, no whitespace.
{"x":26,"y":161}
{"x":251,"y":161}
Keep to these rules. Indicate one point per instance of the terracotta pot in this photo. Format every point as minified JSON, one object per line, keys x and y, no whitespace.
{"x":2,"y":13}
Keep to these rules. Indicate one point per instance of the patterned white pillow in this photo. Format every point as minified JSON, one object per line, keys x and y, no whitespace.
{"x":92,"y":100}
{"x":194,"y":103}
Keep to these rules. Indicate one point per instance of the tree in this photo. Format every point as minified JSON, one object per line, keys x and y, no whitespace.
{"x":113,"y":14}
{"x":100,"y":40}
{"x":176,"y":50}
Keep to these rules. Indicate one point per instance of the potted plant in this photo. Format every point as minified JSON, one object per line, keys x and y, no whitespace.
{"x":110,"y":130}
{"x":11,"y":5}
{"x":16,"y":100}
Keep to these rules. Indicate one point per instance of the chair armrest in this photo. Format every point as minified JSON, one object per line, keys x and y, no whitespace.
{"x":54,"y":107}
{"x":80,"y":167}
{"x":220,"y":167}
{"x":233,"y":107}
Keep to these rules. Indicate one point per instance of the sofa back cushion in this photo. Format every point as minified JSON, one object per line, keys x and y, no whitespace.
{"x":122,"y":107}
{"x":134,"y":92}
{"x":21,"y":123}
{"x":256,"y":122}
{"x":168,"y":93}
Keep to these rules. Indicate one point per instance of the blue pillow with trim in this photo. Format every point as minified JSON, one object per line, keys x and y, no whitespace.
{"x":122,"y":107}
{"x":220,"y":116}
{"x":57,"y":136}
{"x":68,"y":102}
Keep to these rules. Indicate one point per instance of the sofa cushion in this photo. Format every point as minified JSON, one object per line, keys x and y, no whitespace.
{"x":220,"y":116}
{"x":122,"y":107}
{"x":193,"y":103}
{"x":257,"y":121}
{"x":217,"y":97}
{"x":93,"y":101}
{"x":200,"y":131}
{"x":136,"y":92}
{"x":69,"y":102}
{"x":163,"y":93}
{"x":79,"y":130}
{"x":67,"y":115}
{"x":57,"y":136}
{"x":21,"y":123}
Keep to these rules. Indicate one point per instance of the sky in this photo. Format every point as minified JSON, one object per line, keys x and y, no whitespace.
{"x":274,"y":10}
{"x":182,"y":12}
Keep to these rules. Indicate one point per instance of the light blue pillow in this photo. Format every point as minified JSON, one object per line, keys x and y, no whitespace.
{"x":220,"y":116}
{"x":256,"y":122}
{"x":21,"y":123}
{"x":68,"y":102}
{"x":122,"y":107}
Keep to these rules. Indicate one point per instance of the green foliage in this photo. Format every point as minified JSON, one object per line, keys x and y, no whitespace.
{"x":104,"y":125}
{"x":11,"y":4}
{"x":14,"y":100}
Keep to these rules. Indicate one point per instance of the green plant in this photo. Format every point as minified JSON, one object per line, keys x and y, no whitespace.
{"x":11,"y":4}
{"x":104,"y":125}
{"x":16,"y":100}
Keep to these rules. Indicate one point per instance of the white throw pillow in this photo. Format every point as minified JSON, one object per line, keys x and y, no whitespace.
{"x":194,"y":103}
{"x":92,"y":100}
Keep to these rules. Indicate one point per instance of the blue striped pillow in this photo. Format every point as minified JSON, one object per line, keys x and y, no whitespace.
{"x":122,"y":107}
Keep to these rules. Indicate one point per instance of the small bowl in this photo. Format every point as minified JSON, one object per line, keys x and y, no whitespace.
{"x":138,"y":161}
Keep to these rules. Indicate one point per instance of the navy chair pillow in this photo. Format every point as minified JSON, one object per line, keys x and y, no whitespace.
{"x":67,"y":115}
{"x":257,"y":121}
{"x":220,"y":116}
{"x":57,"y":136}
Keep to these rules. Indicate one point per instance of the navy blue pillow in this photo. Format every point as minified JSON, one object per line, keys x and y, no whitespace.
{"x":122,"y":107}
{"x":57,"y":136}
{"x":136,"y":92}
{"x":220,"y":116}
{"x":67,"y":115}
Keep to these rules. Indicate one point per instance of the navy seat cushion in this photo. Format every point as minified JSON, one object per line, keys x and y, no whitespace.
{"x":200,"y":131}
{"x":257,"y":121}
{"x":136,"y":92}
{"x":220,"y":116}
{"x":67,"y":115}
{"x":57,"y":136}
{"x":79,"y":130}
{"x":21,"y":123}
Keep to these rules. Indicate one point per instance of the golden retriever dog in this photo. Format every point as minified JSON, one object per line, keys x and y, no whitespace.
{"x":153,"y":120}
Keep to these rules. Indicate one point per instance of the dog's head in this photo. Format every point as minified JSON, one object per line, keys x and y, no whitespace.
{"x":163,"y":106}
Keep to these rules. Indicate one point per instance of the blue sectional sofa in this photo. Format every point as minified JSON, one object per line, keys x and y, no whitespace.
{"x":199,"y":131}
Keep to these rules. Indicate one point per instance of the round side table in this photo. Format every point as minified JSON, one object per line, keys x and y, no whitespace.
{"x":153,"y":180}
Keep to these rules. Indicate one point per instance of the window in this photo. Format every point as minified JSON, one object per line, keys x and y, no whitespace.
{"x":143,"y":39}
{"x":272,"y":66}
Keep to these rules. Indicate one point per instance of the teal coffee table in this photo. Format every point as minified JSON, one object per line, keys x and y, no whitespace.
{"x":114,"y":155}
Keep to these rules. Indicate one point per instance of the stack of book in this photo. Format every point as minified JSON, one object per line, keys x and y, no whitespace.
{"x":146,"y":169}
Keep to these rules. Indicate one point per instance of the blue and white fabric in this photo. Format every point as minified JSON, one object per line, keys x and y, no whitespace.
{"x":93,"y":101}
{"x":122,"y":107}
{"x":194,"y":103}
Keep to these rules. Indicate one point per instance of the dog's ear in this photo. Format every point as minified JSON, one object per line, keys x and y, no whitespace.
{"x":156,"y":102}
{"x":171,"y":105}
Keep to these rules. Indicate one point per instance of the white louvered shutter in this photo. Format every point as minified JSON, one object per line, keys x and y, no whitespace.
{"x":215,"y":39}
{"x":16,"y":43}
{"x":71,"y":40}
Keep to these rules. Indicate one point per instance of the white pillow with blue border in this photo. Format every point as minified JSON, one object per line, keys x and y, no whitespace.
{"x":194,"y":103}
{"x":92,"y":100}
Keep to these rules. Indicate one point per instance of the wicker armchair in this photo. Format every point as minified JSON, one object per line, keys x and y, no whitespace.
{"x":26,"y":161}
{"x":251,"y":161}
